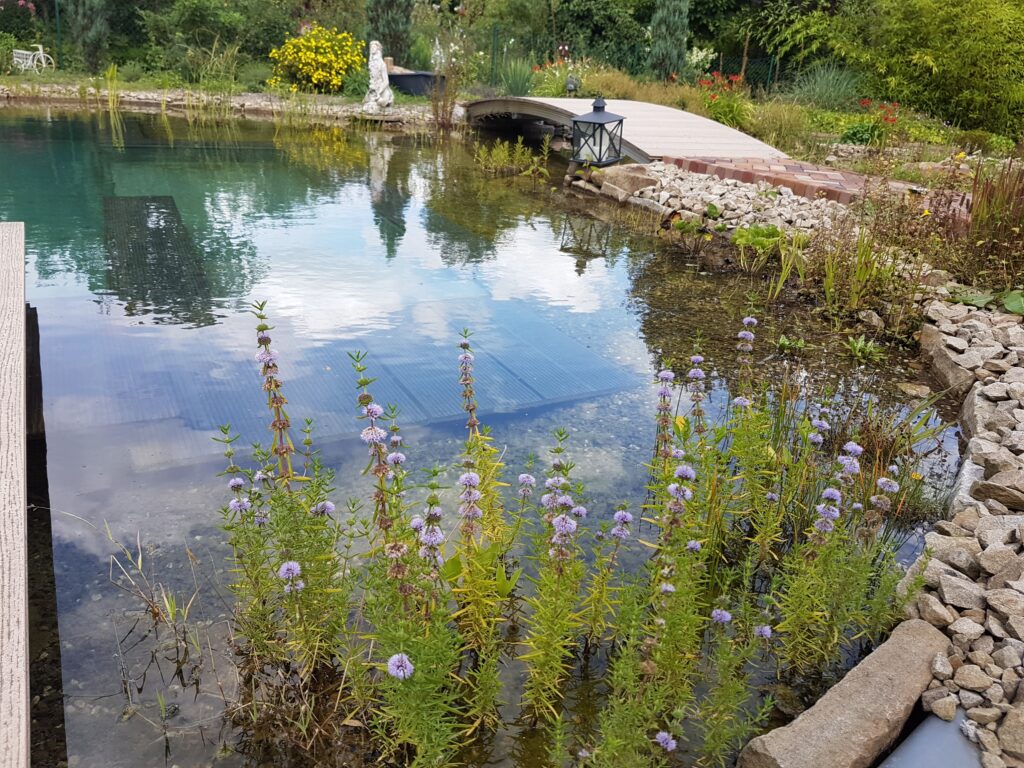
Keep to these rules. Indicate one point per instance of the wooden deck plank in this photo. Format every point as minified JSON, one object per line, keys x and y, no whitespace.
{"x":651,"y":131}
{"x":14,"y":702}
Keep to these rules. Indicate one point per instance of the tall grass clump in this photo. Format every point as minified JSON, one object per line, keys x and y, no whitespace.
{"x":398,"y":628}
{"x":828,"y":85}
{"x":516,"y":77}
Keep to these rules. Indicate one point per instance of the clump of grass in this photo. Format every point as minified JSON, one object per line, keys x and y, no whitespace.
{"x":781,"y":124}
{"x":828,"y":85}
{"x":516,"y":77}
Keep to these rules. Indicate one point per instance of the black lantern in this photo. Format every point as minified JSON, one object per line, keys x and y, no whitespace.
{"x":597,"y":137}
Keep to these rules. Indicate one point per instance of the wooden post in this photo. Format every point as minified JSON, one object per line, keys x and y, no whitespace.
{"x":14,"y":703}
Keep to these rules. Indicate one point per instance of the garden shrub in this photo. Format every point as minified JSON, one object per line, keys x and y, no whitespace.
{"x":670,"y":32}
{"x":131,"y":71}
{"x":725,"y":99}
{"x":8,"y":43}
{"x":960,"y":61}
{"x":985,"y":142}
{"x":318,"y":60}
{"x":18,"y":19}
{"x":604,"y":30}
{"x":253,"y":76}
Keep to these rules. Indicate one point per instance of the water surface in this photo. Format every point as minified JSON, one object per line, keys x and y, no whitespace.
{"x":146,"y":245}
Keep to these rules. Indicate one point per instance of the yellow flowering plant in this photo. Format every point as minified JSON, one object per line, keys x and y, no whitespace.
{"x":318,"y":60}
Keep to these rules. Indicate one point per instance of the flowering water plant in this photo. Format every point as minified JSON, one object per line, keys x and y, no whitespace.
{"x":404,"y":624}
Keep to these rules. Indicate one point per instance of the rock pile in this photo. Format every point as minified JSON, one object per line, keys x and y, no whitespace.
{"x":974,"y":576}
{"x":673,"y":193}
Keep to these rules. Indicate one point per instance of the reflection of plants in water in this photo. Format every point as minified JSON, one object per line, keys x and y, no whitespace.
{"x":322,"y":149}
{"x":384,"y":631}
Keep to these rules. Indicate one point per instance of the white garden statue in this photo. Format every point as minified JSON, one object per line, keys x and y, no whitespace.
{"x":379,"y":96}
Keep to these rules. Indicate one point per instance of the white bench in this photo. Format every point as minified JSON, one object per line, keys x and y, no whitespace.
{"x":36,"y":60}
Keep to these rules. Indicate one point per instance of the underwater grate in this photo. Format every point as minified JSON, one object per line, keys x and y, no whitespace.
{"x":153,"y":265}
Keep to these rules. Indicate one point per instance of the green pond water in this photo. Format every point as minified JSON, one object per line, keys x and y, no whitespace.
{"x":147,"y":241}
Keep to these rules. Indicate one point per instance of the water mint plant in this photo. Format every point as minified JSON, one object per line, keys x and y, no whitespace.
{"x":401,"y":627}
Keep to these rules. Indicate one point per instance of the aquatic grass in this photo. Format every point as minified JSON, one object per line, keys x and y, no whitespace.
{"x":393,"y":625}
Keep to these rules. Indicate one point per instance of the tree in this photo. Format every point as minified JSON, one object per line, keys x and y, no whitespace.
{"x":90,"y":29}
{"x":389,"y":21}
{"x":670,"y":29}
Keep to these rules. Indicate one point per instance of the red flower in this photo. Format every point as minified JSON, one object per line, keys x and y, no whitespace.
{"x":714,"y":97}
{"x":536,"y":67}
{"x":716,"y":73}
{"x":865,"y":103}
{"x":705,"y":83}
{"x":735,"y":78}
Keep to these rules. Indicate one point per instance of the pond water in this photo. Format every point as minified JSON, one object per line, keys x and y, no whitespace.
{"x":147,"y":241}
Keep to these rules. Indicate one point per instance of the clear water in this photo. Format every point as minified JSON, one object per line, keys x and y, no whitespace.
{"x":146,"y":245}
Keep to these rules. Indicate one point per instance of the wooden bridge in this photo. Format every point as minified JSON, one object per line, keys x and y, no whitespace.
{"x":650,"y":132}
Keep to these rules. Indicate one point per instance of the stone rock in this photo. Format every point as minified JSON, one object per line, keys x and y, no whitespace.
{"x":996,"y":557}
{"x":984,"y":644}
{"x":963,"y":561}
{"x":1015,"y":626}
{"x":860,"y":716}
{"x":1013,"y":571}
{"x":871,"y":319}
{"x":991,"y":760}
{"x":972,"y":677}
{"x":960,"y":592}
{"x":1011,"y":733}
{"x":932,"y":695}
{"x":630,"y":178}
{"x":614,"y":191}
{"x":911,"y":389}
{"x":1012,"y":498}
{"x":1007,"y":657}
{"x":945,"y":708}
{"x":967,"y":628}
{"x":995,"y":391}
{"x":998,"y":528}
{"x":1008,"y":602}
{"x":970,"y":699}
{"x":988,"y":740}
{"x":941,"y":668}
{"x":982,"y":659}
{"x":984,"y":715}
{"x":940,"y":545}
{"x":949,"y":375}
{"x":994,"y":693}
{"x":933,"y":611}
{"x":967,"y":518}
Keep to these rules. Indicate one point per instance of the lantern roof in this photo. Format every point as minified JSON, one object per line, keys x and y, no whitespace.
{"x":599,"y":114}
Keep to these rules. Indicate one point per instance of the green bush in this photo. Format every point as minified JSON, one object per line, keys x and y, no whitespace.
{"x":985,"y":142}
{"x":516,"y":77}
{"x":961,"y":61}
{"x":861,"y":132}
{"x":829,"y":85}
{"x":7,"y":45}
{"x":253,"y":76}
{"x":131,"y":71}
{"x":603,"y":29}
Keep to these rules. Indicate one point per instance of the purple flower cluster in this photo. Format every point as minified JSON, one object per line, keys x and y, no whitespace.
{"x":526,"y":484}
{"x":400,"y":667}
{"x":664,"y":740}
{"x":763,"y":631}
{"x":470,"y":482}
{"x":322,"y":508}
{"x":430,"y":534}
{"x":622,"y":520}
{"x":693,"y":545}
{"x":745,"y":340}
{"x":289,"y":572}
{"x":721,"y":616}
{"x":827,"y":511}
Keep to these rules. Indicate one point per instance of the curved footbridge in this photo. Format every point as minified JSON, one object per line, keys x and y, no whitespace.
{"x":650,"y":132}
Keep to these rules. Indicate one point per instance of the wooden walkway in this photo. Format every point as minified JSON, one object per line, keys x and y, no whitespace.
{"x":14,"y":703}
{"x":650,"y":132}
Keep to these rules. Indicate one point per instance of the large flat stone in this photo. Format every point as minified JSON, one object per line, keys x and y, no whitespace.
{"x":952,"y":377}
{"x":862,"y":714}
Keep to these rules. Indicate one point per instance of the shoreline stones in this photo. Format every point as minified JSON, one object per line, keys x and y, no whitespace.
{"x":673,"y":193}
{"x":973,"y":566}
